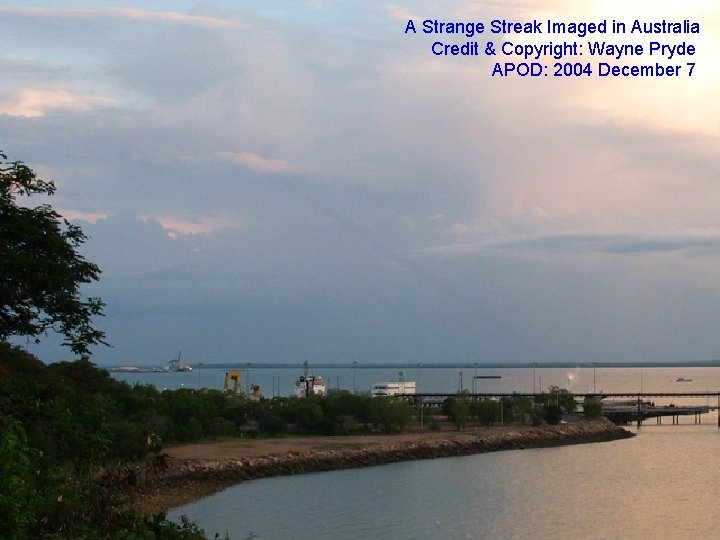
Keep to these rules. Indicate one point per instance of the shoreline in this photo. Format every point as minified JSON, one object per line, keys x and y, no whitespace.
{"x":195,"y":471}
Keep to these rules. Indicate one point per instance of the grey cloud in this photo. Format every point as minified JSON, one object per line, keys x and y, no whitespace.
{"x":625,"y":244}
{"x":582,"y":243}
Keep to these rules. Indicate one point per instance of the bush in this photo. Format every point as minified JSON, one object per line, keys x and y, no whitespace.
{"x":564,"y":398}
{"x":390,"y":414}
{"x":592,"y":408}
{"x":486,"y":411}
{"x":41,"y":499}
{"x":457,"y":410}
{"x":552,"y":414}
{"x":272,"y":425}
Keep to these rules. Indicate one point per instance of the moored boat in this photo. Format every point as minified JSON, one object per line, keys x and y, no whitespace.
{"x":309,"y":385}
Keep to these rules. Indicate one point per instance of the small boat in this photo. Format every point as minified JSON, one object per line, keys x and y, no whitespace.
{"x":683,"y":379}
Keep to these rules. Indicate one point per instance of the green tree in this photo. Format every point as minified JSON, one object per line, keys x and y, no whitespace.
{"x":17,"y":489}
{"x":552,"y":414}
{"x":486,"y":411}
{"x":562,"y":398}
{"x":457,"y":410}
{"x":592,"y":408}
{"x":41,"y":270}
{"x":390,"y":414}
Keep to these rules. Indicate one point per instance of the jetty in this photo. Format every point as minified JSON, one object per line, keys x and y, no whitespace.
{"x":619,"y":407}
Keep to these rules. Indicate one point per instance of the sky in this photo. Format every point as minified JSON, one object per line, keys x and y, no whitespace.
{"x":276,"y":181}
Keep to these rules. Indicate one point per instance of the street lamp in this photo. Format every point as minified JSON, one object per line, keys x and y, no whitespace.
{"x":354,"y":365}
{"x":534,"y":392}
{"x":594,"y":366}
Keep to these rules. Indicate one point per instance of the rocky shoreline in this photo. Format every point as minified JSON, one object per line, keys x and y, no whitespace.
{"x":182,"y":481}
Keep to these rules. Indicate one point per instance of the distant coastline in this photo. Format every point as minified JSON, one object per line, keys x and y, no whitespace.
{"x":435,"y":365}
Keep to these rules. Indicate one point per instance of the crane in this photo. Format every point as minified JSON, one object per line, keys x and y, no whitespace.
{"x":233,"y":377}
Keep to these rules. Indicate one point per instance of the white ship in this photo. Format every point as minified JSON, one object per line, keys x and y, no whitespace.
{"x":309,"y":385}
{"x":177,"y":365}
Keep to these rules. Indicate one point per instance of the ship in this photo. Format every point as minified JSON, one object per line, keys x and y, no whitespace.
{"x":177,"y":365}
{"x":309,"y":385}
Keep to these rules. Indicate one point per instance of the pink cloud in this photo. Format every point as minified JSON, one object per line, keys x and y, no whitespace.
{"x":118,"y":13}
{"x":79,"y":215}
{"x":258,"y":163}
{"x":175,"y":226}
{"x":35,"y":103}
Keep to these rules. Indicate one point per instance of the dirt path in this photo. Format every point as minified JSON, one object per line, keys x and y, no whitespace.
{"x":249,"y":448}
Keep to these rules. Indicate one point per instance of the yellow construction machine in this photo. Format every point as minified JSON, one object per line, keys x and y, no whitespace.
{"x":235,"y":378}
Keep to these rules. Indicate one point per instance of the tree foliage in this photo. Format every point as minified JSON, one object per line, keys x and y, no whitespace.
{"x":457,"y":410}
{"x":65,"y":431}
{"x":41,"y":270}
{"x":552,"y":414}
{"x":563,"y":398}
{"x":592,"y":408}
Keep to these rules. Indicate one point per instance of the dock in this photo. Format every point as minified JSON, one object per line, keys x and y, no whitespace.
{"x":627,"y":413}
{"x":634,"y":407}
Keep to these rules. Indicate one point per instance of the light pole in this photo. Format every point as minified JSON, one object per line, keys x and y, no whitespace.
{"x":419,"y":375}
{"x":534,"y":392}
{"x":594,"y":366}
{"x":354,"y":365}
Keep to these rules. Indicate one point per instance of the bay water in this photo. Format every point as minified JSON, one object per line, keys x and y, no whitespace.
{"x":663,"y":484}
{"x":281,"y":381}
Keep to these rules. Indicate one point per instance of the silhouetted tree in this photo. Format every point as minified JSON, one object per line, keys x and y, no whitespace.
{"x":41,"y":270}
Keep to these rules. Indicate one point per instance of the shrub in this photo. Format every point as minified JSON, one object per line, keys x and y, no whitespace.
{"x":552,"y":414}
{"x":592,"y":408}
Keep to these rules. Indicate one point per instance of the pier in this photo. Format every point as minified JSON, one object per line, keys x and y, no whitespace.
{"x":632,"y":407}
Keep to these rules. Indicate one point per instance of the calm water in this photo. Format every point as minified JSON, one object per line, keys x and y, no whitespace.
{"x":282,"y":381}
{"x":661,"y":484}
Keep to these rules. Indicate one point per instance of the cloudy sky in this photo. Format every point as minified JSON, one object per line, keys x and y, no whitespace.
{"x":282,"y":180}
